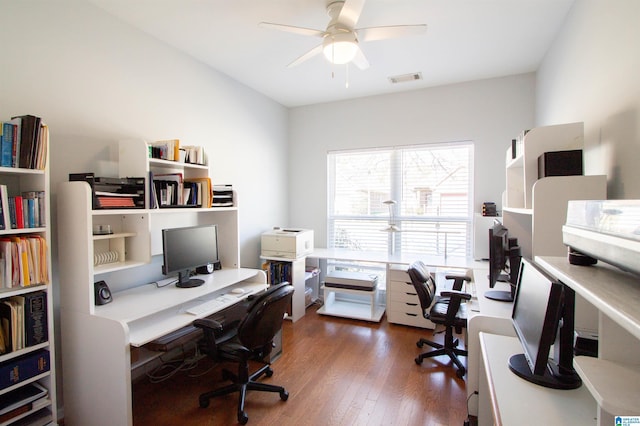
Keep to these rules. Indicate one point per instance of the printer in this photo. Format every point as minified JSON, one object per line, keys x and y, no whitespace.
{"x":287,"y":243}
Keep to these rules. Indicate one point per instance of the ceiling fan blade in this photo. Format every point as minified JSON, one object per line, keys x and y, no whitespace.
{"x":310,"y":54}
{"x":360,"y":60}
{"x":393,"y":31}
{"x":292,"y":29}
{"x":350,"y":13}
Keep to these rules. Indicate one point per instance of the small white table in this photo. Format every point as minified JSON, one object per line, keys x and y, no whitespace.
{"x":371,"y":311}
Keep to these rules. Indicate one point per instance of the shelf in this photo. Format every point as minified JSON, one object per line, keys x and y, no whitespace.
{"x":29,"y":349}
{"x":114,"y":235}
{"x":615,"y":387}
{"x":167,"y":164}
{"x":614,"y":292}
{"x":20,"y":171}
{"x":116,"y":266}
{"x":22,"y":231}
{"x":515,"y":210}
{"x":8,"y":292}
{"x":353,"y":310}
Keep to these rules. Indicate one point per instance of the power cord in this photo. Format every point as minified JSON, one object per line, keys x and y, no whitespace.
{"x":169,"y":368}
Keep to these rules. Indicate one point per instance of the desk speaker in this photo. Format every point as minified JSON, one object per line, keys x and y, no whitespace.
{"x":560,"y":163}
{"x":102,"y":293}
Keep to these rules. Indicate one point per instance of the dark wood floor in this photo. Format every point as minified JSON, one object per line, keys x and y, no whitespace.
{"x":337,"y":372}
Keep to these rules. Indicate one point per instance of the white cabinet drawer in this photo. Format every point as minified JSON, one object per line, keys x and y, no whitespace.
{"x":401,"y":314}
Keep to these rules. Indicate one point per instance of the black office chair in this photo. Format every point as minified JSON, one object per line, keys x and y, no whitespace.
{"x":251,"y":340}
{"x":446,"y":309}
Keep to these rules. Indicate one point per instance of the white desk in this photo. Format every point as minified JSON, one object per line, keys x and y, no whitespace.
{"x":98,"y":387}
{"x":386,"y":258}
{"x":515,"y":401}
{"x":483,"y":315}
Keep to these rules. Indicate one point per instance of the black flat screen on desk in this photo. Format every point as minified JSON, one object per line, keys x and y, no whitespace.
{"x":185,"y":249}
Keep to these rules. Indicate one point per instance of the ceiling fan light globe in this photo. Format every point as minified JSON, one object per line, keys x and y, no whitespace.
{"x":340,"y":48}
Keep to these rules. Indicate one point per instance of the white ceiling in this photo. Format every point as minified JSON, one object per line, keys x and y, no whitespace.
{"x":465,"y":40}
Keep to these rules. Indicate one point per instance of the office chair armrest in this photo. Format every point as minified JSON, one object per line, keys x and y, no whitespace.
{"x":208,"y":324}
{"x":455,"y":299}
{"x":458,"y":280}
{"x":455,"y":294}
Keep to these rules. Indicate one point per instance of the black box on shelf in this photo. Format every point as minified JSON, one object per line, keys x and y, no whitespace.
{"x":113,"y":193}
{"x":24,"y":367}
{"x":560,"y":163}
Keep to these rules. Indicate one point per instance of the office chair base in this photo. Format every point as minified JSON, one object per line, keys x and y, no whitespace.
{"x":242,"y":387}
{"x":450,"y":350}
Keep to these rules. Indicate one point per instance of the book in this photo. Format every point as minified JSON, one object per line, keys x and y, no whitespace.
{"x":6,"y":144}
{"x":5,"y":260}
{"x":24,"y":367}
{"x":5,"y":216}
{"x":35,"y":318}
{"x":29,"y":139}
{"x":17,"y":138}
{"x":205,"y":196}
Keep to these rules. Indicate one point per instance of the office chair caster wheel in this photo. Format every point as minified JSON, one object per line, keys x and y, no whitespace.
{"x":418,"y":360}
{"x":460,"y":373}
{"x":268,"y":372}
{"x":204,"y":402}
{"x":242,"y":418}
{"x":284,"y":395}
{"x":419,"y":343}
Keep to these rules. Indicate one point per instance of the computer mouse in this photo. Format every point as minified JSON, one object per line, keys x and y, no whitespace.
{"x":237,"y":291}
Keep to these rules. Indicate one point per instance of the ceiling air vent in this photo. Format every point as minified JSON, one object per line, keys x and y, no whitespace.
{"x":405,"y":77}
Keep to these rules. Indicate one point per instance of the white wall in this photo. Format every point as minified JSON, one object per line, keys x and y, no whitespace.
{"x":95,"y":80}
{"x":487,"y":112}
{"x":592,"y":74}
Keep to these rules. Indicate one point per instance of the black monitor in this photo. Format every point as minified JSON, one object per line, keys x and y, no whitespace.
{"x":185,"y":249}
{"x":543,"y":316}
{"x":498,"y":249}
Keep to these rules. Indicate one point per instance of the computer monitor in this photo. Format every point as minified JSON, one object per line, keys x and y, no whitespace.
{"x":185,"y":249}
{"x":498,"y":249}
{"x":543,"y":316}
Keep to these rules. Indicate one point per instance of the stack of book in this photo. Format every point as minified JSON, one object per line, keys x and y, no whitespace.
{"x":23,"y":142}
{"x":24,"y":321}
{"x":21,"y":211}
{"x":165,"y":150}
{"x":23,"y":261}
{"x":28,"y":398}
{"x":222,"y":196}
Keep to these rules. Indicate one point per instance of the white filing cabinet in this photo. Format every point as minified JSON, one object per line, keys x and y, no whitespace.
{"x":403,"y":305}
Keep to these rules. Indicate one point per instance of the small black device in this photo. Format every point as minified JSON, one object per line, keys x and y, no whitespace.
{"x":102,"y":293}
{"x":560,"y":163}
{"x":205,"y":269}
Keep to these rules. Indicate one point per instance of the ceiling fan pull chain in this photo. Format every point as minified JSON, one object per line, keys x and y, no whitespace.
{"x":346,"y":84}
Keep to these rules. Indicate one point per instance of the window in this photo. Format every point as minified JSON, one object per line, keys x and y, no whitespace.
{"x":431,"y":184}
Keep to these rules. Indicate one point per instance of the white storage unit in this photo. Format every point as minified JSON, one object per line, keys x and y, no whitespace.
{"x":403,"y":305}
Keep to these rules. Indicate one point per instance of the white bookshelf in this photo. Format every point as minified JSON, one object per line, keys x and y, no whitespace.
{"x":19,"y":180}
{"x":535,"y":209}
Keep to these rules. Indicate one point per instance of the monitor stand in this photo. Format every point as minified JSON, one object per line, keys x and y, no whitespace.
{"x":500,"y":295}
{"x":185,"y":282}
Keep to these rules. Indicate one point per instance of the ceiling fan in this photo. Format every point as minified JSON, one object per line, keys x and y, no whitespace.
{"x":341,"y":39}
